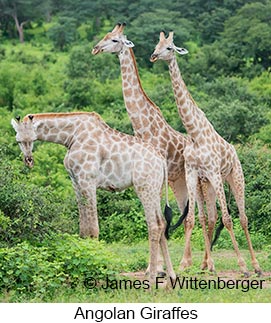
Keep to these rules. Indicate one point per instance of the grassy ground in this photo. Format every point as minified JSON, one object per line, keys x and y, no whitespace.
{"x":132,"y":260}
{"x":226,"y":268}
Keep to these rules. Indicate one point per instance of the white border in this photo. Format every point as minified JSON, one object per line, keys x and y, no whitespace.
{"x":206,"y":313}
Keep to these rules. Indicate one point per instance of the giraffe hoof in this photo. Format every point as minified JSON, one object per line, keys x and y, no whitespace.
{"x":161,"y":274}
{"x":258,"y":272}
{"x":246,"y":274}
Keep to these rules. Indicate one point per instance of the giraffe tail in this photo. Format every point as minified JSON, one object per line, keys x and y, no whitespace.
{"x":221,"y":224}
{"x":182,"y":217}
{"x":168,"y":210}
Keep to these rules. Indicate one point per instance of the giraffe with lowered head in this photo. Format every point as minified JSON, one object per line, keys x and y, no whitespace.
{"x":101,"y":157}
{"x":208,"y":156}
{"x":149,"y":124}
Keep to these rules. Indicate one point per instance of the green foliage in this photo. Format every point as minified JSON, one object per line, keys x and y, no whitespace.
{"x":256,"y":162}
{"x":248,"y":33}
{"x":63,"y":33}
{"x":211,"y":23}
{"x":121,"y":217}
{"x":149,"y":24}
{"x":60,"y":261}
{"x":265,"y":132}
{"x":28,"y":211}
{"x":227,"y":71}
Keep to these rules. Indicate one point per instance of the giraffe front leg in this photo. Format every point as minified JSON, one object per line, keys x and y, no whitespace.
{"x":160,"y":265}
{"x":84,"y":185}
{"x":208,"y":261}
{"x":87,"y":205}
{"x":210,"y":199}
{"x":88,"y":221}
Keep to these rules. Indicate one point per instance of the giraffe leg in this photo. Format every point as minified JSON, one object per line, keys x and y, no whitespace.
{"x":150,"y":200}
{"x":180,"y":192}
{"x":210,"y":198}
{"x":160,"y":265}
{"x":236,"y":181}
{"x":219,"y":188}
{"x":157,"y":230}
{"x":87,"y":205}
{"x":208,"y":262}
{"x":191,"y":181}
{"x":166,"y":255}
{"x":154,"y":236}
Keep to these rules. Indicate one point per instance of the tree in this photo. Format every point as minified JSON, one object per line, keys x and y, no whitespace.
{"x":247,"y":35}
{"x":144,"y":31}
{"x":23,"y":12}
{"x":63,"y":33}
{"x":211,"y":24}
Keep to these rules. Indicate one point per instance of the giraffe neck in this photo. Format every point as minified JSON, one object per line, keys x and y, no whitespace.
{"x":145,"y":116}
{"x":194,"y":119}
{"x":61,"y":128}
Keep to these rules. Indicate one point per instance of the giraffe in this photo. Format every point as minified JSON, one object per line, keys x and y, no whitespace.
{"x":208,"y":156}
{"x":101,"y":157}
{"x":147,"y":120}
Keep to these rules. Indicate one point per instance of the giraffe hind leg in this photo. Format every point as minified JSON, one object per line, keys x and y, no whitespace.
{"x":191,"y":180}
{"x":219,"y":188}
{"x":236,"y":182}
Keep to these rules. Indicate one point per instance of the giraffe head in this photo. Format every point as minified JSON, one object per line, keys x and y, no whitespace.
{"x":165,"y":49}
{"x":25,"y":136}
{"x":113,"y":42}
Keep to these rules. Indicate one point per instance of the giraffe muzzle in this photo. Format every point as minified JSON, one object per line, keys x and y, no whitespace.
{"x":96,"y":50}
{"x":29,"y":161}
{"x":153,"y":58}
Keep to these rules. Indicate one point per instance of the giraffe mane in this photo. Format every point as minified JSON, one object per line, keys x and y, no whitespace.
{"x":61,"y":115}
{"x":140,"y":85}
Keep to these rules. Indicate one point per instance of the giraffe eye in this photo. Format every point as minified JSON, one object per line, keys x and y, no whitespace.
{"x":115,"y":41}
{"x":169,"y":48}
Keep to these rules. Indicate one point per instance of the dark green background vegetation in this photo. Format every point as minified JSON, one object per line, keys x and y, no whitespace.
{"x":46,"y":65}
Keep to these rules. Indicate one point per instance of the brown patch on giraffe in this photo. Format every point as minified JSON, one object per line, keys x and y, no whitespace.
{"x":128,"y":91}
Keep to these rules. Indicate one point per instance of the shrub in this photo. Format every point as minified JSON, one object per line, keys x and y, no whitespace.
{"x":59,"y":261}
{"x":28,"y":211}
{"x":121,"y":217}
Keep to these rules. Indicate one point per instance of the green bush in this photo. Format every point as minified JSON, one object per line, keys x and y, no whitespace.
{"x":256,"y":162}
{"x":61,"y":261}
{"x":63,"y":33}
{"x":121,"y":217}
{"x":28,"y":211}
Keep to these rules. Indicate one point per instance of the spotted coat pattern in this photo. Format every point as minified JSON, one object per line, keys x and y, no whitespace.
{"x":208,"y":157}
{"x":101,"y":157}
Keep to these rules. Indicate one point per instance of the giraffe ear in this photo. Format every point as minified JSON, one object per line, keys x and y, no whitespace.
{"x":128,"y":43}
{"x":181,"y":51}
{"x":14,"y":124}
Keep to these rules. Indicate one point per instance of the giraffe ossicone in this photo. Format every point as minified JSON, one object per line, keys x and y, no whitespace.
{"x":101,"y":157}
